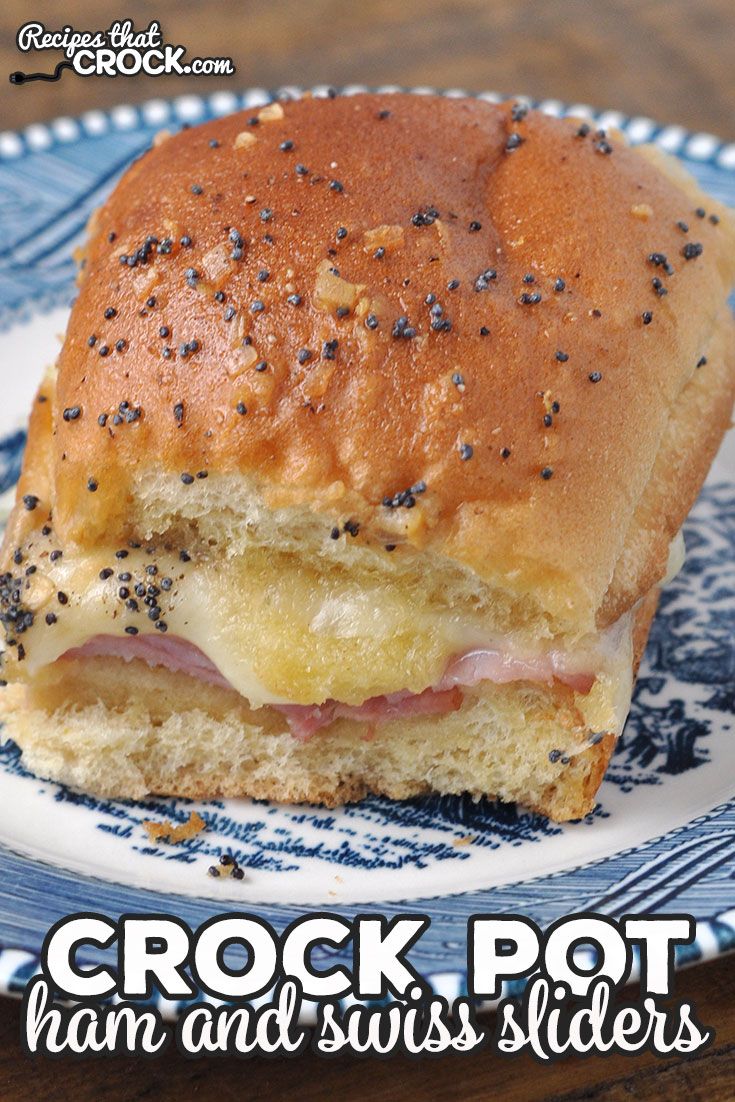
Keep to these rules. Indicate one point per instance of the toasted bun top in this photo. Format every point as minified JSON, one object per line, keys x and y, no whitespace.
{"x":485,"y":313}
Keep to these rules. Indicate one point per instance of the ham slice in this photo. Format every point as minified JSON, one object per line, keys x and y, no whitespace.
{"x":170,"y":651}
{"x":485,"y":664}
{"x":304,"y":720}
{"x":462,"y":672}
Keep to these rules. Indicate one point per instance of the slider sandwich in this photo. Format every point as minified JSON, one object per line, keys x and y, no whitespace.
{"x":366,"y":453}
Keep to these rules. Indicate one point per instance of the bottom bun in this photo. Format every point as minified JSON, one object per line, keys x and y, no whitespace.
{"x":121,"y":729}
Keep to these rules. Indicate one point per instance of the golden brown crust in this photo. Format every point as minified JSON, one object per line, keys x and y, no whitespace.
{"x":693,"y":435}
{"x":377,"y":413}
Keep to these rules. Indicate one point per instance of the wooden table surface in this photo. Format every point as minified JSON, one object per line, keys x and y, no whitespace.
{"x":476,"y":1077}
{"x":671,"y":59}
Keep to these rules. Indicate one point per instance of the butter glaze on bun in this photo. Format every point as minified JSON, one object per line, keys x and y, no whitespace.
{"x":402,"y":377}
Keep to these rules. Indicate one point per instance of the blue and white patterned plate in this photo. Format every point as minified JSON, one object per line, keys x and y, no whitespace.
{"x":663,"y":836}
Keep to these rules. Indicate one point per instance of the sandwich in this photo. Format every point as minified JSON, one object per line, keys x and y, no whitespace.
{"x":365,"y":457}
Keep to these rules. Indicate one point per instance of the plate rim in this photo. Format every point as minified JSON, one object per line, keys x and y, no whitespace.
{"x":188,"y":109}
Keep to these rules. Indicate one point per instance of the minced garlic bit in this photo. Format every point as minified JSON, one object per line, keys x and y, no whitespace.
{"x":270,"y":112}
{"x":332,"y":291}
{"x":247,"y":356}
{"x":244,"y":139}
{"x":385,"y":237}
